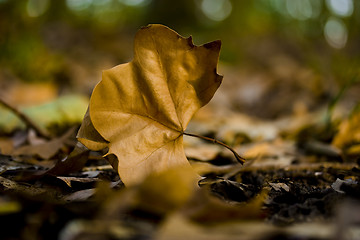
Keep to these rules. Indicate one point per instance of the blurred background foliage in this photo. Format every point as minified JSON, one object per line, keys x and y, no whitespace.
{"x":67,"y":43}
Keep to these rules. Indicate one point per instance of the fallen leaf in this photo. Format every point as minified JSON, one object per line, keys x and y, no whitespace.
{"x":348,"y":132}
{"x":159,"y":195}
{"x":88,"y":135}
{"x":271,"y":153}
{"x":142,"y":108}
{"x":81,"y":195}
{"x":203,"y":168}
{"x":339,"y":184}
{"x":45,"y":150}
{"x":12,"y":186}
{"x":205,"y":152}
{"x":354,"y":150}
{"x":253,"y":128}
{"x":7,"y":163}
{"x":280,"y":186}
{"x":72,"y":163}
{"x":70,"y":180}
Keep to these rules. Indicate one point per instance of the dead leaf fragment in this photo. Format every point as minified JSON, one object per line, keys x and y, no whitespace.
{"x":81,"y":195}
{"x":69,"y":180}
{"x":143,"y":107}
{"x":280,"y":186}
{"x":9,"y":185}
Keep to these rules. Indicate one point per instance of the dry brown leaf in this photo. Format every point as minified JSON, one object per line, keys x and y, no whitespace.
{"x":203,"y":168}
{"x":204,"y":152}
{"x":69,"y":180}
{"x":349,"y":132}
{"x":142,"y":108}
{"x":81,"y":195}
{"x":88,"y":135}
{"x":44,"y":193}
{"x":45,"y":150}
{"x":75,"y":161}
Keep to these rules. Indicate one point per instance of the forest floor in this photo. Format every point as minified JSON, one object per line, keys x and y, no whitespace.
{"x":300,"y":180}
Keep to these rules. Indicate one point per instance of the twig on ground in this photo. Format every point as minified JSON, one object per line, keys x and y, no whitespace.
{"x":29,"y":122}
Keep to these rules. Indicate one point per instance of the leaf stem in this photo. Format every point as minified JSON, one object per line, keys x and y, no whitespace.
{"x":213,"y":140}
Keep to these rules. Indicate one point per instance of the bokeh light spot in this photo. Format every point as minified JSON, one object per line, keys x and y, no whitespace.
{"x":216,"y":10}
{"x":137,"y":3}
{"x":36,"y":8}
{"x":335,"y":32}
{"x":101,"y":2}
{"x":299,"y":9}
{"x":78,"y":5}
{"x":342,"y":8}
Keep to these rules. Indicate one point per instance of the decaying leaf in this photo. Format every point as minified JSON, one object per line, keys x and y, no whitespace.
{"x":141,"y":109}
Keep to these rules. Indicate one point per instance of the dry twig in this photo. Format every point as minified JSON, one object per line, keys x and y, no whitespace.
{"x":29,"y":122}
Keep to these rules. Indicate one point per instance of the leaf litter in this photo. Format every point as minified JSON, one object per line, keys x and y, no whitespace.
{"x":296,"y":183}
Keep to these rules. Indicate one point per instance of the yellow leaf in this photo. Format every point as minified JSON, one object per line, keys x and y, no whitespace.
{"x":142,"y":108}
{"x":159,"y":195}
{"x":348,"y":132}
{"x":166,"y":191}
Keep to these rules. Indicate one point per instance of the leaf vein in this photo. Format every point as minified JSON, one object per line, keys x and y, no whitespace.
{"x":147,"y":157}
{"x":167,"y":81}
